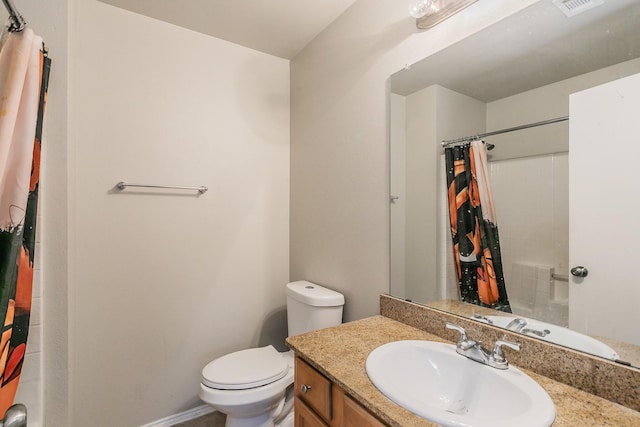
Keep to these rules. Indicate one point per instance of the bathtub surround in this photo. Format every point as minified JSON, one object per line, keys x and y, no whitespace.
{"x":534,"y":293}
{"x":596,"y":376}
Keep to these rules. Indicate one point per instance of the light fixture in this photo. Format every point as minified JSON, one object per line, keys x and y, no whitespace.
{"x":429,"y":13}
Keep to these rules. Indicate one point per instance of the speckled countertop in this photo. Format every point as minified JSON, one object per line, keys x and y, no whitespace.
{"x":340,"y":354}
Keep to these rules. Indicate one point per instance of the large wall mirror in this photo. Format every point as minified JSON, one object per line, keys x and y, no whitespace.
{"x":533,"y":66}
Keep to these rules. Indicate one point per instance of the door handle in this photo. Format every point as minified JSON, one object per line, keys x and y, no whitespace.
{"x":16,"y":416}
{"x":579,"y":271}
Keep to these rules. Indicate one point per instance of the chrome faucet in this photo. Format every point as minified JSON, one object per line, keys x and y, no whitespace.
{"x":516,"y":324}
{"x":474,"y":350}
{"x":481,"y":317}
{"x":536,"y":332}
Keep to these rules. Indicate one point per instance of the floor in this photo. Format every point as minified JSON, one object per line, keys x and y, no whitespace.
{"x":214,"y":419}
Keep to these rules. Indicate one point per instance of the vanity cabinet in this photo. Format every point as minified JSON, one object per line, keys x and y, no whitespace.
{"x":321,"y":403}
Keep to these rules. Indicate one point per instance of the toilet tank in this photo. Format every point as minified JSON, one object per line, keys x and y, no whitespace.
{"x":311,"y":307}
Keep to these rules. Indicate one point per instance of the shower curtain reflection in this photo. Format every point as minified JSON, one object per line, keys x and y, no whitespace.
{"x":474,"y":229}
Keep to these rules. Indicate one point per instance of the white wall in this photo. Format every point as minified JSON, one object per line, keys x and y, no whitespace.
{"x":339,"y":152}
{"x":432,"y":114}
{"x":163,"y":282}
{"x":398,"y":189}
{"x":420,"y":169}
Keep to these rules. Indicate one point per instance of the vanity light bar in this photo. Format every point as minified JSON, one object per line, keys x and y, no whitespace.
{"x":443,"y":10}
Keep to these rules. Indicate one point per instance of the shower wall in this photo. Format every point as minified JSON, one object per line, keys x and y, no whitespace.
{"x":531,"y":195}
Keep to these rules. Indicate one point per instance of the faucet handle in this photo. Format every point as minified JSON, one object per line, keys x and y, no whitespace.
{"x":498,"y":356}
{"x":463,"y":333}
{"x":464,"y":343}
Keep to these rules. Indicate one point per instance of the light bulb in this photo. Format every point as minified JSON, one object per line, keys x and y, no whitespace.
{"x":420,"y":8}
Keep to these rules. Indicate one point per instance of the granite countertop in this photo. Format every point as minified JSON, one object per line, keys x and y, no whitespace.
{"x":340,"y":353}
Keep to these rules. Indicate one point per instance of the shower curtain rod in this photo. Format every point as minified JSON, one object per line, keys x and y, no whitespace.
{"x":17,"y":21}
{"x":497,"y":132}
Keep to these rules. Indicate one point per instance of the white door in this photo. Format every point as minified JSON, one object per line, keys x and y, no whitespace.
{"x":604,"y":209}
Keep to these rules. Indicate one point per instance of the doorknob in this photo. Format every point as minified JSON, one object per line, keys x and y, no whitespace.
{"x":579,"y":271}
{"x":16,"y":416}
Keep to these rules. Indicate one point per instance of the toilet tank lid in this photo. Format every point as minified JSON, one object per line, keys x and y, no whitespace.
{"x":314,"y":295}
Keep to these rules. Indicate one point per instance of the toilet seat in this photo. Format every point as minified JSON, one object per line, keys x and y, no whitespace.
{"x":245,"y":369}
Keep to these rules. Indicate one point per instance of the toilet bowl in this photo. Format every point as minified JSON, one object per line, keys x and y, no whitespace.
{"x":254,"y":387}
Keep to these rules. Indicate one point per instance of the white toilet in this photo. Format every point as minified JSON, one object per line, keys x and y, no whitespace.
{"x":254,"y":387}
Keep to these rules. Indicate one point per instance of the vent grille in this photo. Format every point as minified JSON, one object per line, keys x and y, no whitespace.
{"x":574,"y":7}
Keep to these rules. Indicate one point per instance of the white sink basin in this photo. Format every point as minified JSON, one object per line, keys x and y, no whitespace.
{"x":557,"y":335}
{"x":431,"y":380}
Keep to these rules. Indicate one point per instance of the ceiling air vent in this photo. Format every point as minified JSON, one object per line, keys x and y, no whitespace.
{"x":574,"y":7}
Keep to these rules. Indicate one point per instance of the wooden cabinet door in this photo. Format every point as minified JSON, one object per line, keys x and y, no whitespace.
{"x":320,"y":403}
{"x":305,"y":417}
{"x":354,"y":415}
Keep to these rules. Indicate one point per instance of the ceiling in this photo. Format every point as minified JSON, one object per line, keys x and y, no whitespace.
{"x":533,"y":48}
{"x":278,"y":27}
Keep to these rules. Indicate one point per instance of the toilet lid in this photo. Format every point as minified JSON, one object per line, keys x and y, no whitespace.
{"x":244,"y":369}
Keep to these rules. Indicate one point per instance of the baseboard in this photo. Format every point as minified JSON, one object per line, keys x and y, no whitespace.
{"x":182,"y":416}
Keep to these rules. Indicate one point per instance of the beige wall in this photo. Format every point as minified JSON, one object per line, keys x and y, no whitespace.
{"x":339,"y":131}
{"x":420,"y":167}
{"x":163,"y":282}
{"x":398,"y":190}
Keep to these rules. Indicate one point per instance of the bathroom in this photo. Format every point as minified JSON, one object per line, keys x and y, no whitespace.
{"x":139,"y":290}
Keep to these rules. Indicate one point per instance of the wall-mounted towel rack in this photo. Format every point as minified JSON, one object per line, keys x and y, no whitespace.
{"x":200,"y":189}
{"x":560,"y":277}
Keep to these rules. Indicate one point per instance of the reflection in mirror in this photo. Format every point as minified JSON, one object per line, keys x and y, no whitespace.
{"x":523,"y":69}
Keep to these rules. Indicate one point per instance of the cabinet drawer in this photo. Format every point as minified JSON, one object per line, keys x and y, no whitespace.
{"x":313,"y":389}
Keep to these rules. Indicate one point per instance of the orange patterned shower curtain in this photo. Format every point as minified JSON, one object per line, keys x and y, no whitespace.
{"x":24,"y":75}
{"x":474,"y":227}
